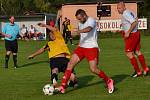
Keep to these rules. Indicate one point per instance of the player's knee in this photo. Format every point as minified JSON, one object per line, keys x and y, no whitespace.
{"x":138,"y":52}
{"x":55,"y":70}
{"x":129,"y":54}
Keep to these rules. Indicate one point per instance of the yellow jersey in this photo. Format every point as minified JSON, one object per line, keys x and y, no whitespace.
{"x":69,"y":27}
{"x":57,"y":46}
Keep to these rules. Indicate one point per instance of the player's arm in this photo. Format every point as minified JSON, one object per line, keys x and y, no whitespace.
{"x":133,"y":25}
{"x":52,"y":29}
{"x":90,"y":26}
{"x":85,"y":30}
{"x":47,"y":26}
{"x":38,"y":52}
{"x":130,"y":17}
{"x":5,"y":35}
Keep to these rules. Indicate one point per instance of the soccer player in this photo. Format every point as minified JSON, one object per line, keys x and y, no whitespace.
{"x":11,"y":43}
{"x":132,"y":40}
{"x":58,"y":54}
{"x":68,"y":32}
{"x":88,"y":48}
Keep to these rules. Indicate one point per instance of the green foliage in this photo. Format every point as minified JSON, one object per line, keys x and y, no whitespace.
{"x":146,"y":8}
{"x":11,"y":7}
{"x":19,"y":7}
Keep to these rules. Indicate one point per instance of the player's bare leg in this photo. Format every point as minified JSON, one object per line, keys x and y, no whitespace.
{"x":134,"y":63}
{"x":73,"y":61}
{"x":94,"y":69}
{"x":142,"y":62}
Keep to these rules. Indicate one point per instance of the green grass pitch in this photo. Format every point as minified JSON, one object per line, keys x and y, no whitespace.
{"x":26,"y":82}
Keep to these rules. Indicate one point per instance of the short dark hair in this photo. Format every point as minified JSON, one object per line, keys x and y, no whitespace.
{"x":80,"y":11}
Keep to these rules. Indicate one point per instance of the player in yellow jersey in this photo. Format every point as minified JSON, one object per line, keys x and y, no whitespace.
{"x":68,"y":33}
{"x":58,"y":53}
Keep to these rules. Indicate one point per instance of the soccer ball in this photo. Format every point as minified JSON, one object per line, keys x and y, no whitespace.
{"x":48,"y":89}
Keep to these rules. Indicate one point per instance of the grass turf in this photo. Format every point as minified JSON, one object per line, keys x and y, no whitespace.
{"x":26,"y":82}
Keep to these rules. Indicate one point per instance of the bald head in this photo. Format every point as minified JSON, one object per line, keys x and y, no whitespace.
{"x":121,"y":4}
{"x":121,"y":7}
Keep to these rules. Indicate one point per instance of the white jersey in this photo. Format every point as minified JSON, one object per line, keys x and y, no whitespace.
{"x":32,"y":30}
{"x":127,"y":19}
{"x":89,"y":39}
{"x":23,"y":30}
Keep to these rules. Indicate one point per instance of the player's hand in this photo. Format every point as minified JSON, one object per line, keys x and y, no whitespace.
{"x":41,"y":24}
{"x":30,"y":57}
{"x":126,"y":35}
{"x":8,"y":35}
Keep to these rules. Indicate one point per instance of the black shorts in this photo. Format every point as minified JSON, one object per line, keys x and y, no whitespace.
{"x":11,"y":46}
{"x":60,"y":63}
{"x":68,"y":34}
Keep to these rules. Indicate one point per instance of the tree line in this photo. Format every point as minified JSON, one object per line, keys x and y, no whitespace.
{"x":22,"y":7}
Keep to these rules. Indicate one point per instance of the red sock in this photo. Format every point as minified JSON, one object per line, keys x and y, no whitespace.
{"x":135,"y":64}
{"x":142,"y":61}
{"x":103,"y":76}
{"x":66,"y":77}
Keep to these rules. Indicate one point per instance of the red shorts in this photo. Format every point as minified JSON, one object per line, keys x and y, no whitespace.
{"x":133,"y":42}
{"x":88,"y":53}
